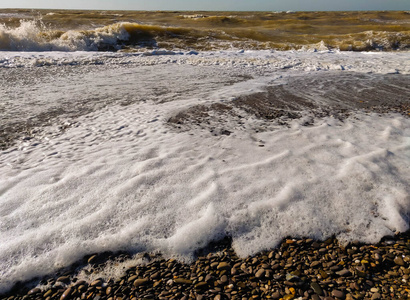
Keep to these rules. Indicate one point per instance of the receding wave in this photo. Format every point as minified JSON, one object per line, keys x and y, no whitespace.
{"x":203,"y":32}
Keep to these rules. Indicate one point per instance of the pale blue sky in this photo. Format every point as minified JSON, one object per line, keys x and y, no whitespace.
{"x":265,"y":5}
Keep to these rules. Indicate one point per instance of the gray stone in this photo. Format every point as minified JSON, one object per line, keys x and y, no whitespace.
{"x":344,"y":272}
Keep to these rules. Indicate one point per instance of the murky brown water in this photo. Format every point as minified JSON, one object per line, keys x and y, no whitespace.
{"x":65,"y":30}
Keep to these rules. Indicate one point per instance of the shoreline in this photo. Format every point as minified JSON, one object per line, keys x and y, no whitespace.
{"x":296,"y":269}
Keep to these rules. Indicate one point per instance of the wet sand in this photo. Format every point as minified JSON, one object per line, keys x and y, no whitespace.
{"x":316,"y":96}
{"x":311,"y":97}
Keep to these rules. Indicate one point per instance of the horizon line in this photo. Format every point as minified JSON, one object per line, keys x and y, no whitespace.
{"x":201,"y":10}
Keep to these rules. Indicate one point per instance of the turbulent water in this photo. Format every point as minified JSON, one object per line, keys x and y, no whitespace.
{"x":44,"y":30}
{"x":158,"y":145}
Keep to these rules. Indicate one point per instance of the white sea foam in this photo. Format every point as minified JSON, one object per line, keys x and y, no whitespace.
{"x":32,"y":35}
{"x":364,"y":62}
{"x":122,"y":179}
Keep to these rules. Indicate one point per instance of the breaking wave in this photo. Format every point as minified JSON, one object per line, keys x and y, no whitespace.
{"x":34,"y":35}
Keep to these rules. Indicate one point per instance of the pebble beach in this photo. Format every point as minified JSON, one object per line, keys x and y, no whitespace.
{"x":297,"y":269}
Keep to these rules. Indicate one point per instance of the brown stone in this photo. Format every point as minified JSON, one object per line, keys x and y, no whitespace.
{"x":260,"y":273}
{"x":338,"y":294}
{"x":66,"y":295}
{"x":140,"y":282}
{"x":182,"y":281}
{"x":34,"y":291}
{"x":223,"y":266}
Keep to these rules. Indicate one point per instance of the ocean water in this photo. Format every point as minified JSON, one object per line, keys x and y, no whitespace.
{"x":52,"y":30}
{"x":94,"y":158}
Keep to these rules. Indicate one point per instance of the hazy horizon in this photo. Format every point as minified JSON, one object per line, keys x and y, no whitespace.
{"x":212,"y":5}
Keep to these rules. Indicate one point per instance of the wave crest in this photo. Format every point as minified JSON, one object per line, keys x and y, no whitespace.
{"x":35,"y":36}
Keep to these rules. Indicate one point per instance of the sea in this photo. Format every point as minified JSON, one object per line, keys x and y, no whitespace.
{"x":54,"y":30}
{"x":166,"y":131}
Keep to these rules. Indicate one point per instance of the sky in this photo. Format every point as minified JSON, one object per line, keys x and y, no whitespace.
{"x":230,"y":5}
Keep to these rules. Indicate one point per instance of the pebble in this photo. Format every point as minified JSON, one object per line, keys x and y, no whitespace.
{"x":338,"y":294}
{"x":34,"y":291}
{"x":141,"y":281}
{"x":182,"y":281}
{"x":48,"y":293}
{"x":223,"y":266}
{"x":132,"y":278}
{"x":96,"y":282}
{"x":343,"y":272}
{"x":66,"y":294}
{"x":64,"y":279}
{"x":201,"y":285}
{"x":316,"y":288}
{"x":260,"y":273}
{"x":92,"y":259}
{"x":376,"y":296}
{"x":399,"y":261}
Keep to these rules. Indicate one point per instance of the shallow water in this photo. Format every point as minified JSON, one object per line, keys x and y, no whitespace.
{"x":104,"y":170}
{"x":46,"y":30}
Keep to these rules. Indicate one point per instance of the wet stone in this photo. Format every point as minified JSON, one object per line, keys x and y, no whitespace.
{"x":201,"y":285}
{"x":140,"y":282}
{"x":34,"y":291}
{"x":231,"y":277}
{"x":92,"y":259}
{"x":97,"y":282}
{"x":260,"y":273}
{"x":343,"y":272}
{"x":338,"y":294}
{"x":314,"y":264}
{"x":316,"y":288}
{"x":324,"y":274}
{"x":182,"y":281}
{"x":132,"y":278}
{"x":64,"y":279}
{"x":66,"y":294}
{"x":223,"y":266}
{"x":48,"y":293}
{"x":399,"y":261}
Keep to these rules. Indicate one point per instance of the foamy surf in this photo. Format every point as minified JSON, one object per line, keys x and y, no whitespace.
{"x":121,"y":178}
